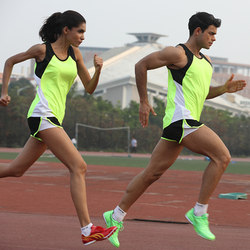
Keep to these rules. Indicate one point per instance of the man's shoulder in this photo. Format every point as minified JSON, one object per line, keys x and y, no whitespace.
{"x":176,"y":51}
{"x":176,"y":55}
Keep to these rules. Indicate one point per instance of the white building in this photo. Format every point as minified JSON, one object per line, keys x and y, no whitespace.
{"x":223,"y":70}
{"x":117,"y":80}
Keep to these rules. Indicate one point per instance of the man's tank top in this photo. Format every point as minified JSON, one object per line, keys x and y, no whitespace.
{"x":187,"y":89}
{"x":54,"y":78}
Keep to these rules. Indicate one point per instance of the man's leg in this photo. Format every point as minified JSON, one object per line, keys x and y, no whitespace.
{"x":163,"y":156}
{"x":204,"y":141}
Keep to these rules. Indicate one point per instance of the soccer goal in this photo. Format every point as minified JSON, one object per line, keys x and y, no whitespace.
{"x":91,"y":138}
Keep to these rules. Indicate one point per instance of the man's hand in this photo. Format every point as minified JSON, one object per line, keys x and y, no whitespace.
{"x":144,"y":111}
{"x":234,"y":86}
{"x":5,"y":100}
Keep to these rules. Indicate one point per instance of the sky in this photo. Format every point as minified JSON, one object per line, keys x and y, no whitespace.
{"x":110,"y":21}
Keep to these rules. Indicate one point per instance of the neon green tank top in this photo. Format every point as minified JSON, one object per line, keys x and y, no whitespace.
{"x":187,"y":89}
{"x":54,"y":78}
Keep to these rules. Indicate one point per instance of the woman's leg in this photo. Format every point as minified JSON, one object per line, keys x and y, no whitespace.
{"x":32,"y":150}
{"x":60,"y":144}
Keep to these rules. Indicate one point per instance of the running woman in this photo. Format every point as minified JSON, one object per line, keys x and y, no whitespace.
{"x":58,"y":61}
{"x":189,"y":77}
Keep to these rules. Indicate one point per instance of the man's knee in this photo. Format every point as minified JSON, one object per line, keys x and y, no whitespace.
{"x":223,"y":160}
{"x":226,"y":160}
{"x":150,"y":177}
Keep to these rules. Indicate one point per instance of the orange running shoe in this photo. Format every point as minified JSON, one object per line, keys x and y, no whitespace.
{"x":98,"y":234}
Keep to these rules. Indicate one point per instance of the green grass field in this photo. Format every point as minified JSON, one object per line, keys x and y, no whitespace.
{"x":188,"y":165}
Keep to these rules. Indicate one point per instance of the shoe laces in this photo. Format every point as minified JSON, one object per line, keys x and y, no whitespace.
{"x":119,"y":225}
{"x":204,"y":221}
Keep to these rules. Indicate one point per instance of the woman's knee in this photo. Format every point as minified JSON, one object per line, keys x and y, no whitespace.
{"x":79,"y":168}
{"x":13,"y":169}
{"x":16,"y":172}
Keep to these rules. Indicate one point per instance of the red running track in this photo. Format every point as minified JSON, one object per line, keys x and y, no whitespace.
{"x":36,"y":211}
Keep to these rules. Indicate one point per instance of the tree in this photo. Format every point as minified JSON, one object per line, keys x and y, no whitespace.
{"x":14,"y":130}
{"x":233,"y":130}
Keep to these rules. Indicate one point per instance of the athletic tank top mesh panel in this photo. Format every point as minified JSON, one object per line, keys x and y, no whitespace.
{"x":54,"y":78}
{"x":187,"y":89}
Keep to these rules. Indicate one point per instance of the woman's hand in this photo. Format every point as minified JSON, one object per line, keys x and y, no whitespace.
{"x":98,"y":62}
{"x":5,"y":100}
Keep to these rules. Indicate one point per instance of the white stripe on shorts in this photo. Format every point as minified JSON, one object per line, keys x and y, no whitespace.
{"x":45,"y":124}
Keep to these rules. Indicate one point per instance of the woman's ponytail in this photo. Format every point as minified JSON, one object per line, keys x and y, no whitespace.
{"x":51,"y":28}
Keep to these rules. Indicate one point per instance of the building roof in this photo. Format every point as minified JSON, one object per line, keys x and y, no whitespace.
{"x":120,"y":62}
{"x":146,"y":37}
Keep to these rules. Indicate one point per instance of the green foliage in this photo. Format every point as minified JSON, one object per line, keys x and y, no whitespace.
{"x":13,"y":126}
{"x":233,"y":130}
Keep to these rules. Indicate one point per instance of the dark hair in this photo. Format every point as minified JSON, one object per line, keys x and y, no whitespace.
{"x":53,"y":25}
{"x":202,"y":20}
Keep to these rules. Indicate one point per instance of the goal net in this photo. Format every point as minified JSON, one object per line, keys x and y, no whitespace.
{"x":90,"y":138}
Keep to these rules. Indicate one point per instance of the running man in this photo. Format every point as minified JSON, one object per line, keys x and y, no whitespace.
{"x":189,"y":77}
{"x":58,"y":62}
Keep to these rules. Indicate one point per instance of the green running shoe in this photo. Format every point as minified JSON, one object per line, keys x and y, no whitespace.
{"x":201,"y":224}
{"x":110,"y":222}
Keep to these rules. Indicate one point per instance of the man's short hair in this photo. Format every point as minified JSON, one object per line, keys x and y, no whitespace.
{"x":202,"y":20}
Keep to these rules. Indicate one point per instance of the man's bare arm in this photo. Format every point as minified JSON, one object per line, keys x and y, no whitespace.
{"x":230,"y":86}
{"x":170,"y":56}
